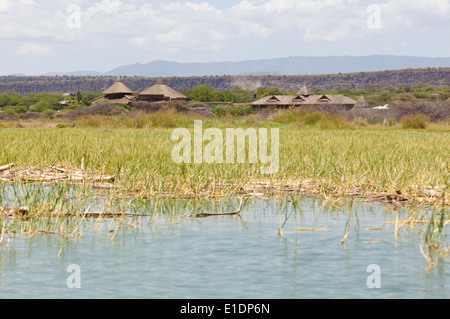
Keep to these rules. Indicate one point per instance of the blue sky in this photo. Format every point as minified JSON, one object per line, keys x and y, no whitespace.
{"x":42,"y":36}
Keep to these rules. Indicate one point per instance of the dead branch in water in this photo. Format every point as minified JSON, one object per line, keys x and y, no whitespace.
{"x":237,"y":212}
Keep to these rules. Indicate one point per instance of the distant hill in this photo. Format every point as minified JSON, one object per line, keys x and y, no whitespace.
{"x":30,"y":84}
{"x":279,"y":66}
{"x":76,"y":73}
{"x":282,"y":66}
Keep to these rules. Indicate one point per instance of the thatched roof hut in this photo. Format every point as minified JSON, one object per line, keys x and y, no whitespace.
{"x":303,"y":91}
{"x":118,"y":88}
{"x":126,"y":99}
{"x":160,"y":91}
{"x":118,"y":93}
{"x":361,"y":103}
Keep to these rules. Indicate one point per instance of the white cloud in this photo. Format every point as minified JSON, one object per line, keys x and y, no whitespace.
{"x":35,"y":49}
{"x":5,"y":6}
{"x":105,"y":6}
{"x":28,"y":2}
{"x":180,"y":25}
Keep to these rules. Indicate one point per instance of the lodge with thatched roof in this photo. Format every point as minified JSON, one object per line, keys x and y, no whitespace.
{"x":303,"y":98}
{"x":361,"y":103}
{"x":161,"y":92}
{"x":118,"y":93}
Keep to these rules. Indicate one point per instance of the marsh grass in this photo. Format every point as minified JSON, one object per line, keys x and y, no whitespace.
{"x":320,"y":155}
{"x":433,"y":236}
{"x":336,"y":162}
{"x":65,"y":211}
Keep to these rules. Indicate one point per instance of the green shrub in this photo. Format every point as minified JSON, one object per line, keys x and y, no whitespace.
{"x":41,"y":106}
{"x":405,"y":97}
{"x":48,"y":114}
{"x":234,"y":110}
{"x":15,"y":109}
{"x":421,"y":95}
{"x":416,"y":121}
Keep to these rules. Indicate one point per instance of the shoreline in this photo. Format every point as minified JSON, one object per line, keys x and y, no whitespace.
{"x":425,"y":195}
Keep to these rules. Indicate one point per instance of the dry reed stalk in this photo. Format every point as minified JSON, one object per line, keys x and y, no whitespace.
{"x":3,"y":231}
{"x":60,"y":250}
{"x":312,"y":229}
{"x":412,"y":222}
{"x":6,"y":167}
{"x":397,"y":228}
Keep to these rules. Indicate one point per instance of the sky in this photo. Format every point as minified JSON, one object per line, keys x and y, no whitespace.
{"x":38,"y":36}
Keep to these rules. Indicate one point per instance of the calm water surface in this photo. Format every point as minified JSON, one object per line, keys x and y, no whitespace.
{"x":228,"y":257}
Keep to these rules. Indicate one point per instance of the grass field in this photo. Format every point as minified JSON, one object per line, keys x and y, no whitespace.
{"x":329,"y":159}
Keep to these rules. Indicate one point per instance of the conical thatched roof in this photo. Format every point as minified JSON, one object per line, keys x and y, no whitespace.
{"x":160,"y":81}
{"x":161,"y":89}
{"x":303,"y":91}
{"x":118,"y":88}
{"x":361,"y":103}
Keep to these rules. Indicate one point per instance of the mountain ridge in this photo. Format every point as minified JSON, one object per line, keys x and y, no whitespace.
{"x":284,"y":66}
{"x":294,"y":65}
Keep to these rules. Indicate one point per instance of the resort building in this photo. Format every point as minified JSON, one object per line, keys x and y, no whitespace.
{"x":118,"y":93}
{"x":161,"y":92}
{"x":304,"y":99}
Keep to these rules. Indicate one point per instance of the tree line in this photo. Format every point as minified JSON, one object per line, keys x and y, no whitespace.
{"x":14,"y":104}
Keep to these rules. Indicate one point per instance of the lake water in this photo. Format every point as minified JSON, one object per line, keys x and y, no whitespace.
{"x":230,"y":257}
